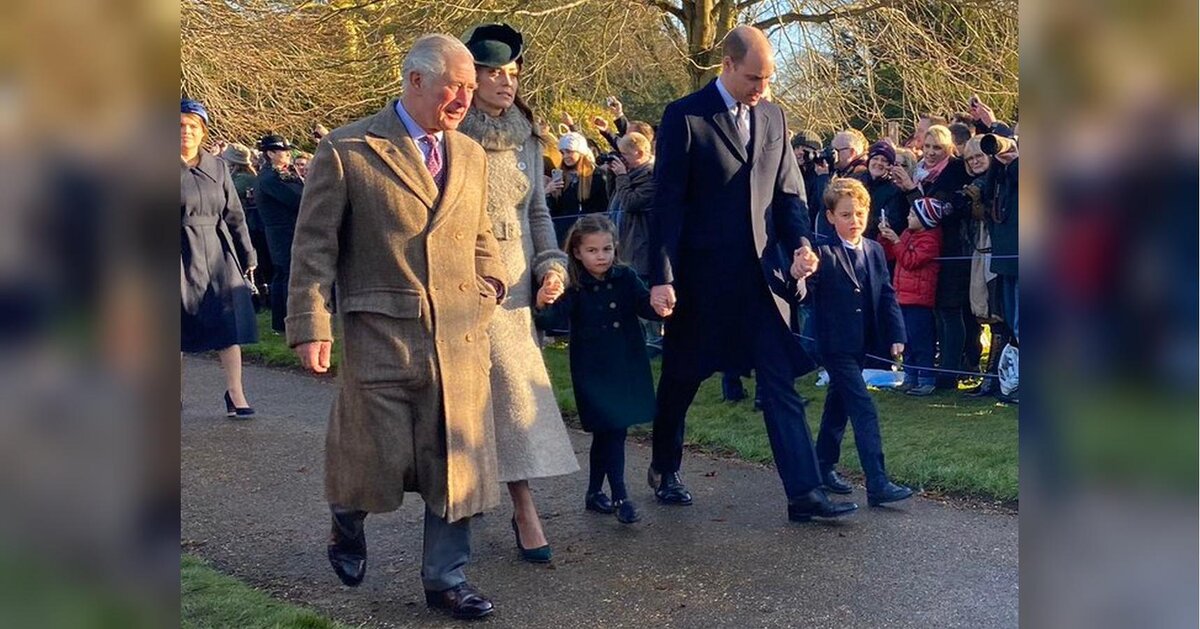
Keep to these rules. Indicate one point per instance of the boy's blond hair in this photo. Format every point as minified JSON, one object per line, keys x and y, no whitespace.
{"x":843,"y":187}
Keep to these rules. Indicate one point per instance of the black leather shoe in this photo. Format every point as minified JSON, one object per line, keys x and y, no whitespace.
{"x":815,"y":504}
{"x":348,"y":547}
{"x":672,"y":491}
{"x":833,"y":482}
{"x":653,"y":478}
{"x":246,"y":412}
{"x":627,"y":512}
{"x":598,"y":502}
{"x":463,"y":601}
{"x":890,"y":492}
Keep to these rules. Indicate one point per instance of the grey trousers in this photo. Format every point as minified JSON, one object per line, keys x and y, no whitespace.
{"x":447,"y":551}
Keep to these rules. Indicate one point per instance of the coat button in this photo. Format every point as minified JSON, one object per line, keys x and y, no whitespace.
{"x":612,"y":305}
{"x":458,"y":236}
{"x":608,"y":286}
{"x":596,"y":288}
{"x":616,"y":324}
{"x":858,"y":310}
{"x":469,"y":338}
{"x":463,"y":287}
{"x":857,"y":290}
{"x":521,"y":166}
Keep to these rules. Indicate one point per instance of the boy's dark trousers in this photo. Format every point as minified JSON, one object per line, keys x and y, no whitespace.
{"x":847,"y":398}
{"x":919,"y":350}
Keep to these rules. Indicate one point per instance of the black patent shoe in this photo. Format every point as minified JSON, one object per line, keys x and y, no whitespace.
{"x":348,"y":547}
{"x":890,"y":492}
{"x":598,"y":502}
{"x":671,"y":491}
{"x":237,"y":413}
{"x":833,"y":482}
{"x":463,"y":601}
{"x":627,"y":512}
{"x":815,"y":504}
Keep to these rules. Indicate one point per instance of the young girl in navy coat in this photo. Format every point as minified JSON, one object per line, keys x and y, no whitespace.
{"x":610,"y":370}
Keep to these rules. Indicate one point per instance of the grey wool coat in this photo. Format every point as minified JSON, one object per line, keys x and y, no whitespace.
{"x":531,"y":441}
{"x":413,"y":412}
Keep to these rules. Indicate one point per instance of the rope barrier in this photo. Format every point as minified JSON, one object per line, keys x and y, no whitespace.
{"x":973,"y":374}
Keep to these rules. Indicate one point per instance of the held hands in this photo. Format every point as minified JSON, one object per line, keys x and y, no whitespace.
{"x":552,"y":288}
{"x":662,"y":299}
{"x":314,"y":355}
{"x":897,"y":349}
{"x":804,"y":263}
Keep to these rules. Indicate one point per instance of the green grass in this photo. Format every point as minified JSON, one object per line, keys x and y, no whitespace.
{"x":211,"y":599}
{"x":945,"y":443}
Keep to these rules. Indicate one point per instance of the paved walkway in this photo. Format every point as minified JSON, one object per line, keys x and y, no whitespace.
{"x":252,"y":505}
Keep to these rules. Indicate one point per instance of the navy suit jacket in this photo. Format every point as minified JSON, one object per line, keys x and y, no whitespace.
{"x":837,"y":300}
{"x":724,"y":214}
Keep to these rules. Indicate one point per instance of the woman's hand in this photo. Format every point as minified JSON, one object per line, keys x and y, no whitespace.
{"x":887,"y":232}
{"x":600,"y":123}
{"x":555,"y":187}
{"x":901,"y":177}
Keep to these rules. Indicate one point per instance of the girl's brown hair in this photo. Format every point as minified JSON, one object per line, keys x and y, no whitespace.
{"x":587,"y":225}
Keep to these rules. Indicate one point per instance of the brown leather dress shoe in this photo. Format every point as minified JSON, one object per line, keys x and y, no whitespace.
{"x":463,"y":601}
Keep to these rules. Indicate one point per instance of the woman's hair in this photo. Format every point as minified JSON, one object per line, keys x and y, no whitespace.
{"x":972,"y":147}
{"x":587,"y":225}
{"x":942,"y":135}
{"x":585,"y":167}
{"x":907,"y":158}
{"x":843,"y":187}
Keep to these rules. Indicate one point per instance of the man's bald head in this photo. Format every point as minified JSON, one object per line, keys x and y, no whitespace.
{"x":748,"y":63}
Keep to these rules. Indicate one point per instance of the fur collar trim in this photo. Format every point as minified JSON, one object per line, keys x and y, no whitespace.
{"x":506,"y":132}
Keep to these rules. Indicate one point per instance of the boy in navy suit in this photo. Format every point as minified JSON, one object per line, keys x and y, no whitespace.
{"x":856,"y":313}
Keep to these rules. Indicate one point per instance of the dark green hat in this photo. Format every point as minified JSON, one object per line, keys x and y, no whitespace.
{"x":494,"y":45}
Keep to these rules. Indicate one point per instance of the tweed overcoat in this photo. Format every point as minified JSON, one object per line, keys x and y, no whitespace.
{"x":413,"y":412}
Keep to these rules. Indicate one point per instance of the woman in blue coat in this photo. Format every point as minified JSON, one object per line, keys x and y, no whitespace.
{"x":610,"y":369}
{"x":215,"y":253}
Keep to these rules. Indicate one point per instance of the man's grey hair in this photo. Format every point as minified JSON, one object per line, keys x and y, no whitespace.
{"x":429,"y":54}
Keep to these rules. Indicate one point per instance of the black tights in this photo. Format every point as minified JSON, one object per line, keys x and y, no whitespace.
{"x":608,"y":459}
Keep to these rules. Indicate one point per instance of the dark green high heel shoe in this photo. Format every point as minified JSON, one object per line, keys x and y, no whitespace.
{"x":541,"y":554}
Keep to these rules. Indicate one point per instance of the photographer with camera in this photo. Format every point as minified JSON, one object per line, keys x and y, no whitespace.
{"x":815,"y":166}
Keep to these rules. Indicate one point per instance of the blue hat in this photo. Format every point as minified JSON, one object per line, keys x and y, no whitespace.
{"x":884,"y":149}
{"x":189,"y":106}
{"x":494,"y":45}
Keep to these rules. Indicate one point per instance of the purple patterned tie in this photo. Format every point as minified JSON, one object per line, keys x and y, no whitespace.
{"x":433,"y":161}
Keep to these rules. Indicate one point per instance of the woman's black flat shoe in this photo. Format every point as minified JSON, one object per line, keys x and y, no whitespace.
{"x":235,"y":412}
{"x":598,"y":502}
{"x":541,"y":554}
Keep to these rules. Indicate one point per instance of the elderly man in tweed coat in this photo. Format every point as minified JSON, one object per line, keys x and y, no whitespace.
{"x":394,"y":211}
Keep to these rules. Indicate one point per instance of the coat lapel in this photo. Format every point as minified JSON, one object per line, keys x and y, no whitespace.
{"x":390,"y":140}
{"x":843,"y":257}
{"x":456,"y":176}
{"x":724,"y":123}
{"x":758,"y":131}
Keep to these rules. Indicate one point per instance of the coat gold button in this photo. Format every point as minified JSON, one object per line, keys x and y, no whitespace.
{"x":462,"y":287}
{"x":458,"y":236}
{"x":469,"y":338}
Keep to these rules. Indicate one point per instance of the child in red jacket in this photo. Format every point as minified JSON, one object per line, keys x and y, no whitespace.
{"x":916,"y":252}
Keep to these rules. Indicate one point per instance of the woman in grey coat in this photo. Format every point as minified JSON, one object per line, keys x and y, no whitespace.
{"x":215,"y":252}
{"x":531,"y":441}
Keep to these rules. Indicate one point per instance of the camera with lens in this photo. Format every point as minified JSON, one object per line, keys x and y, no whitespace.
{"x":608,"y":158}
{"x":826,"y":156}
{"x":992,"y":144}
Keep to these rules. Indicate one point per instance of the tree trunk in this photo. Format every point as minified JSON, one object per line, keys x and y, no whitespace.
{"x":706,"y":22}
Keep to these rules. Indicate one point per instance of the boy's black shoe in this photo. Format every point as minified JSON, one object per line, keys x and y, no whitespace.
{"x":890,"y":492}
{"x":463,"y":601}
{"x":627,"y":512}
{"x":598,"y":502}
{"x":833,"y":482}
